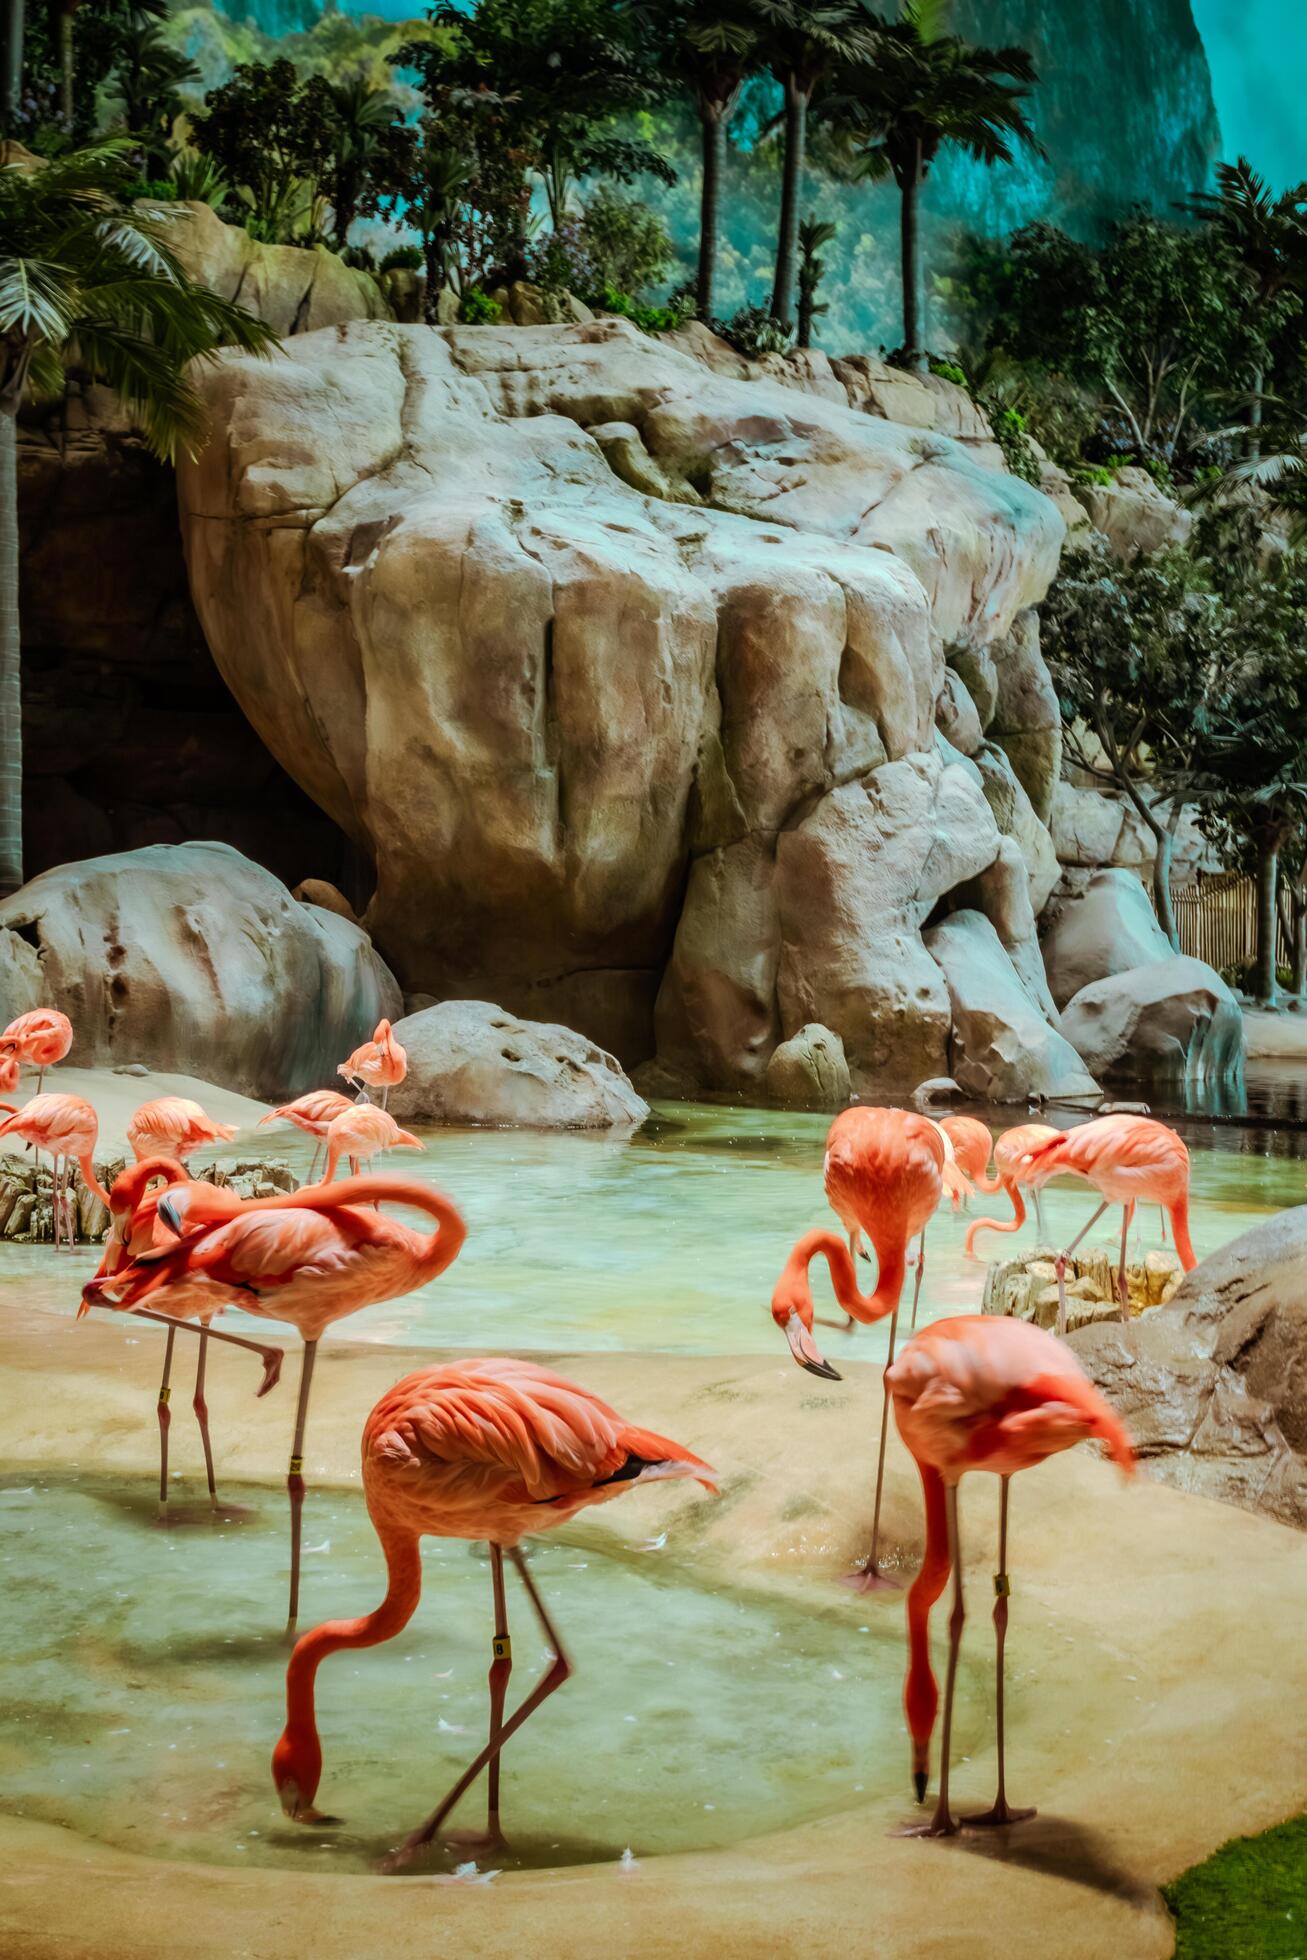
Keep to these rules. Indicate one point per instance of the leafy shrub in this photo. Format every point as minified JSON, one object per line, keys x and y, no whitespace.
{"x":561,"y":261}
{"x":477,"y":309}
{"x":402,"y":258}
{"x":753,"y":331}
{"x":162,"y":190}
{"x":652,"y":319}
{"x":950,"y":371}
{"x":628,"y":246}
{"x":1009,"y":426}
{"x":199,"y":180}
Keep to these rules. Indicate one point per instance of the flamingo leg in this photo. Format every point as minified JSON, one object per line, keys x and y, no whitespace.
{"x":1062,"y":1258}
{"x":66,"y":1201}
{"x":385,"y":1095}
{"x":313,"y":1166}
{"x":272,"y":1357}
{"x":165,"y":1418}
{"x":201,"y":1409}
{"x":943,"y":1823}
{"x":869,"y":1577}
{"x":921,"y":1267}
{"x":1122,"y":1286}
{"x":295,"y":1482}
{"x":1038,"y":1204}
{"x":501,"y":1666}
{"x":1161,"y":1213}
{"x":1001,"y":1811}
{"x":558,"y":1671}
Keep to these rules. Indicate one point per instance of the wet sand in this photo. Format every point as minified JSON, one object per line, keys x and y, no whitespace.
{"x":1155,"y":1654}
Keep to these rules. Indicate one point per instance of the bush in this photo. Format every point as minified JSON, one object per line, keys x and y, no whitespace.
{"x":753,"y":331}
{"x":628,"y":246}
{"x":402,"y":258}
{"x":652,"y":319}
{"x":561,"y":261}
{"x":949,"y":371}
{"x":1009,"y":426}
{"x":162,"y":190}
{"x":477,"y":309}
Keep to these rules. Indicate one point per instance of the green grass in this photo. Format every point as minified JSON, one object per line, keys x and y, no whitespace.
{"x":1248,"y":1901}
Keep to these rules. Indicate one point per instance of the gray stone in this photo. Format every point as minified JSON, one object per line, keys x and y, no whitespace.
{"x":471,"y":1062}
{"x":1002,"y":1048}
{"x":811,"y":1069}
{"x":1108,"y":929}
{"x":1174,"y":1018}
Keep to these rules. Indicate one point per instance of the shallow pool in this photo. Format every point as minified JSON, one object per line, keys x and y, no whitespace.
{"x":141,"y":1690}
{"x":672,"y":1240}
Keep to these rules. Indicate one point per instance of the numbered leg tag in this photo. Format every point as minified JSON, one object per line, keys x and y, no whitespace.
{"x":1002,"y":1586}
{"x":296,"y":1465}
{"x":502,"y":1647}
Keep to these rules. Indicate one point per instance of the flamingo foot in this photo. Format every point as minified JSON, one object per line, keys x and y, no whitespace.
{"x":308,"y":1815}
{"x":272,"y":1360}
{"x":471,"y":1841}
{"x":869,"y":1578}
{"x":1001,"y":1813}
{"x":942,"y":1825}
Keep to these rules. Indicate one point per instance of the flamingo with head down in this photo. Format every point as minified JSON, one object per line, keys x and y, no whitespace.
{"x":1013,"y":1154}
{"x":174,"y":1126}
{"x":69,"y":1129}
{"x":884,"y":1175}
{"x":311,"y":1113}
{"x":37,"y":1040}
{"x":972,"y":1145}
{"x":379,"y":1063}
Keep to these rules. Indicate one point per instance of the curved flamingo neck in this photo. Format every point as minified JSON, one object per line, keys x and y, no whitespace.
{"x":442,"y":1246}
{"x":1180,"y":1231}
{"x":1012,"y":1224}
{"x":91,"y":1181}
{"x":920,"y":1691}
{"x":131,"y":1185}
{"x":403,"y":1590}
{"x":794,"y":1288}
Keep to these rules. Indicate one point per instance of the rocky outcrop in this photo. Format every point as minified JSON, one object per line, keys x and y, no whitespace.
{"x":810,"y":1069}
{"x":190,"y":958}
{"x":470,"y":1062}
{"x":1109,"y":928}
{"x":1001,"y":1049}
{"x":614,"y":661}
{"x":1134,"y":513}
{"x":1174,"y":1019}
{"x":294,"y":289}
{"x":1026,"y":1288}
{"x":1213,"y":1386}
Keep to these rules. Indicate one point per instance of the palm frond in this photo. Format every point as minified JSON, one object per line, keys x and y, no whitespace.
{"x":148,"y":381}
{"x":37,"y":299}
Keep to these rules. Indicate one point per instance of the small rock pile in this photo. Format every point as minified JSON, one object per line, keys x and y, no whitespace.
{"x":1026,"y":1289}
{"x":27,"y":1195}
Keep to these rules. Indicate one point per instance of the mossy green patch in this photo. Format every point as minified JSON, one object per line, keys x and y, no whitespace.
{"x":1249,"y":1899}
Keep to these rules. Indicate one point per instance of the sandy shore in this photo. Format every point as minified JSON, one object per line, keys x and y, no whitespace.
{"x":1158,"y":1639}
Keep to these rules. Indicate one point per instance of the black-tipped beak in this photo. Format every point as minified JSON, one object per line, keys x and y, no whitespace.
{"x":919,"y":1782}
{"x":171,"y":1217}
{"x":824,"y":1369}
{"x":806,"y":1352}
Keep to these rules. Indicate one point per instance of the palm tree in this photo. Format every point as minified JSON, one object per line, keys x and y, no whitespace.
{"x":802,"y":50}
{"x":89,"y":285}
{"x":813,"y":236}
{"x":1268,"y":236}
{"x":928,"y":88}
{"x":148,"y":74}
{"x":368,"y":119}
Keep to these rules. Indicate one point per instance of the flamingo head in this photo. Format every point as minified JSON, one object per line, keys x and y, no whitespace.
{"x":296,"y":1771}
{"x":791,"y":1309}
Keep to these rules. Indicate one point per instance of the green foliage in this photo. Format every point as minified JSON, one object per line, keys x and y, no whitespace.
{"x":146,"y":84}
{"x":1009,"y":426}
{"x":274,"y":136}
{"x":754,"y":331}
{"x":950,"y":371}
{"x":629,"y":245}
{"x":478,"y":309}
{"x":402,"y":258}
{"x":652,"y":319}
{"x":199,"y":179}
{"x":161,"y":189}
{"x":371,"y":153}
{"x":84,"y":276}
{"x":1249,"y":1898}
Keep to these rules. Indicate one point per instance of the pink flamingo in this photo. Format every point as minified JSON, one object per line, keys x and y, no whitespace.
{"x":174,"y":1126}
{"x":972,"y":1144}
{"x":488,"y":1450}
{"x":311,"y":1113}
{"x":884,"y":1175}
{"x":359,"y":1132}
{"x":152,"y":1202}
{"x":1012,"y":1158}
{"x":38,"y":1039}
{"x":380,"y":1063}
{"x":979,"y":1392}
{"x":1126,"y":1158}
{"x":310,"y":1257}
{"x":68,"y":1128}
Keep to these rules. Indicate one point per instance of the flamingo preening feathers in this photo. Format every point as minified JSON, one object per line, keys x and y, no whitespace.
{"x":379,"y":1063}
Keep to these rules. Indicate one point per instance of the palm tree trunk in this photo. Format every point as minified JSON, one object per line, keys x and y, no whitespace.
{"x":1298,"y":902}
{"x":714,"y":160}
{"x":11,"y":687}
{"x":796,"y":135}
{"x":1255,"y":417}
{"x":1265,"y":979}
{"x":914,"y":297}
{"x":13,"y":65}
{"x":67,"y":62}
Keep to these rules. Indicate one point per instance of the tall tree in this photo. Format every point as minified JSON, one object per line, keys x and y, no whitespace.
{"x":372,"y":152}
{"x":927,"y":88}
{"x":148,"y":75}
{"x":1268,"y":238}
{"x":813,"y":235}
{"x":89,"y":283}
{"x":802,"y":50}
{"x":274,"y":135}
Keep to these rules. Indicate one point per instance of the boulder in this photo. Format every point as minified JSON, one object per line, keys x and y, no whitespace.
{"x":810,"y":1068}
{"x":1174,"y":1018}
{"x":1027,"y":721}
{"x":470,"y":1062}
{"x":1133,"y":512}
{"x":561,"y":706}
{"x":327,"y":898}
{"x":1015,"y":816}
{"x":1002,"y":1049}
{"x":293,"y":289}
{"x":1109,"y":928}
{"x":1213,"y":1385}
{"x":192,"y":959}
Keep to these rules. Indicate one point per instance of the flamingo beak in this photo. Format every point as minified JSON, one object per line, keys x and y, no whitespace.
{"x":806,"y":1352}
{"x":171,"y":1217}
{"x":919,"y":1783}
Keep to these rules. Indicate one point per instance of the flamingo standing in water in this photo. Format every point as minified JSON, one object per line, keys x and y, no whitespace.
{"x":972,"y":1145}
{"x":152,"y":1202}
{"x":884,"y":1175}
{"x":68,"y":1128}
{"x":379,"y":1063}
{"x":311,"y":1113}
{"x":1127,"y":1158}
{"x":489,"y":1450}
{"x":979,"y":1392}
{"x":174,"y":1126}
{"x":1012,"y":1158}
{"x":38,"y":1040}
{"x":359,"y":1132}
{"x":310,"y":1257}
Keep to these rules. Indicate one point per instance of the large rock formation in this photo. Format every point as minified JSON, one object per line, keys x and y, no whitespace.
{"x":1002,"y":1047}
{"x":1213,"y":1386}
{"x":542,"y":698}
{"x":192,"y":959}
{"x":470,"y":1062}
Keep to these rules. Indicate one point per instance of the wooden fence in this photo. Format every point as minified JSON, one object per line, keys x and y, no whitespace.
{"x":1217,"y":921}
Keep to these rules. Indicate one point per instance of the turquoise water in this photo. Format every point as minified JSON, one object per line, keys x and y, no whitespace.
{"x":672,"y":1240}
